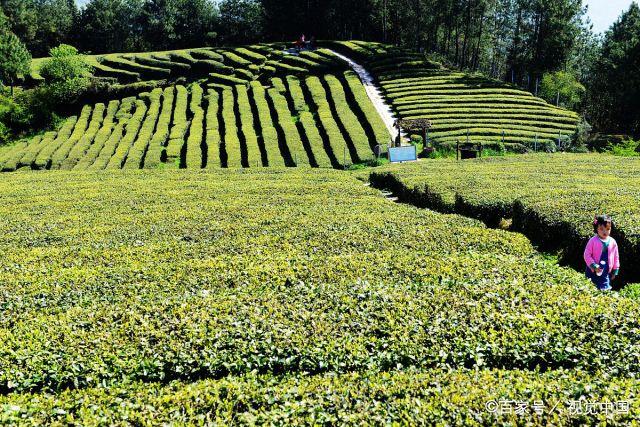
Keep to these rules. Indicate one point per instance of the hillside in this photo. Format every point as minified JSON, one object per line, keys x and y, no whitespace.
{"x":260,"y":108}
{"x":460,"y":104}
{"x":218,"y":65}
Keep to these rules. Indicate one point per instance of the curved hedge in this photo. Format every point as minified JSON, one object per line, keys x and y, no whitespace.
{"x":140,"y":147}
{"x":179,"y":127}
{"x":212,"y":138}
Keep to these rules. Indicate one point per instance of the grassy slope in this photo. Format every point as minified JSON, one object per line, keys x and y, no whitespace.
{"x":119,"y":284}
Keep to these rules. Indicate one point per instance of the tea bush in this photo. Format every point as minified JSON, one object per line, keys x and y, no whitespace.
{"x":286,"y":296}
{"x":551,"y":198}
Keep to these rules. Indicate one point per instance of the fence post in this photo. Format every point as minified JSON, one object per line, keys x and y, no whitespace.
{"x":457,"y":149}
{"x":558,"y":100}
{"x":344,"y":157}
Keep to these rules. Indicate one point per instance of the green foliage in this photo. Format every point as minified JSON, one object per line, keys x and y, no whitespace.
{"x":629,"y":148}
{"x":614,"y":85}
{"x":240,"y":21}
{"x":254,"y":296}
{"x":562,"y":88}
{"x":66,"y":75}
{"x":15,"y":59}
{"x":65,"y":63}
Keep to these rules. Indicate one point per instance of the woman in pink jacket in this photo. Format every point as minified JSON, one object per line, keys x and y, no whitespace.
{"x":601,"y":254}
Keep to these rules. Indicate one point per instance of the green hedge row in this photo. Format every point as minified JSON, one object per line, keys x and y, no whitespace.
{"x":225,"y":79}
{"x":234,"y":60}
{"x":96,"y":123}
{"x":158,"y":142}
{"x":135,"y":157}
{"x":308,"y":123}
{"x":543,"y":117}
{"x":361,"y":149}
{"x":508,"y":139}
{"x":176,"y":68}
{"x":29,"y":153}
{"x":12,"y":161}
{"x":231,"y":140}
{"x":212,"y":136}
{"x":497,"y":131}
{"x":546,"y":128}
{"x":254,"y":156}
{"x":183,"y":57}
{"x":292,"y":144}
{"x":440,"y":103}
{"x":450,"y":92}
{"x":101,"y":137}
{"x":79,"y":130}
{"x":145,"y":71}
{"x":124,"y":115}
{"x":206,"y":55}
{"x":285,"y":69}
{"x":179,"y":127}
{"x":10,"y":158}
{"x":253,"y":57}
{"x":123,"y":76}
{"x":193,"y":159}
{"x":119,"y":156}
{"x":43,"y":159}
{"x":337,"y":142}
{"x":245,"y":75}
{"x":269,"y":135}
{"x":207,"y":66}
{"x":380,"y":130}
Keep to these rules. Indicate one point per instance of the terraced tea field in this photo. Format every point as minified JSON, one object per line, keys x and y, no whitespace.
{"x":551,"y":198}
{"x":259,"y":106}
{"x":461,"y":104}
{"x":307,"y":121}
{"x":225,"y":66}
{"x":287,"y":296}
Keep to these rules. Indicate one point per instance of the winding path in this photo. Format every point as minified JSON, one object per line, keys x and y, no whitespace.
{"x":373,"y":91}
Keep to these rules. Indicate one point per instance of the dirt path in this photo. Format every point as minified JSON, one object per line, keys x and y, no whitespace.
{"x":373,"y":91}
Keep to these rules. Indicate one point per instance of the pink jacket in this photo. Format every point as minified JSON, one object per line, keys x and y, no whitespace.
{"x":594,"y":249}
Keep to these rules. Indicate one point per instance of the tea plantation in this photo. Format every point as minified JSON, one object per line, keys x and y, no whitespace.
{"x":252,"y":106}
{"x":462,"y":105}
{"x":286,"y":296}
{"x":312,"y":121}
{"x":550,"y":198}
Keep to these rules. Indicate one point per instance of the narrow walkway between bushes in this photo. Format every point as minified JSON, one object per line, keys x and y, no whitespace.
{"x":389,"y":188}
{"x":374,"y":93}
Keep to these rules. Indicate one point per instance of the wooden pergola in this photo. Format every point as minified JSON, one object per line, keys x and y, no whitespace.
{"x":414,"y":125}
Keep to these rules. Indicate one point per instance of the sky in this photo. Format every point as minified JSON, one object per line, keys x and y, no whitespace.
{"x":603,"y":13}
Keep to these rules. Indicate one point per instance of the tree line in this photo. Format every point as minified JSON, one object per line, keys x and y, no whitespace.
{"x":546,"y":46}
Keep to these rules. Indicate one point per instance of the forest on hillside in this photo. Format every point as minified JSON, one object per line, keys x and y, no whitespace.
{"x":544,"y":46}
